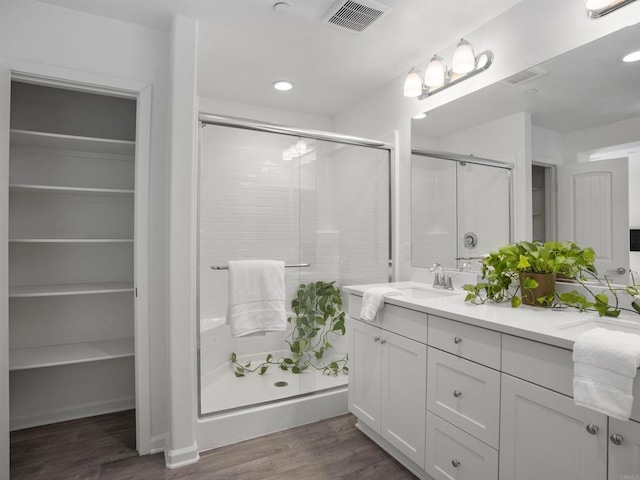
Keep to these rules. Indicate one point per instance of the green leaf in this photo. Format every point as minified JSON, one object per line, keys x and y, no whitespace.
{"x":233,"y":358}
{"x":239,"y":374}
{"x":263,"y":369}
{"x":269,"y":358}
{"x":239,"y":369}
{"x":295,"y":370}
{"x":635,"y":306}
{"x":247,"y":365}
{"x":515,"y":301}
{"x":288,"y":361}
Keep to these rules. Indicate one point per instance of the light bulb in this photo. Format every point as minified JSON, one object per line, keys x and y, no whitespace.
{"x":436,"y":72}
{"x":283,"y":85}
{"x":464,"y":59}
{"x":631,"y":57}
{"x":413,"y":83}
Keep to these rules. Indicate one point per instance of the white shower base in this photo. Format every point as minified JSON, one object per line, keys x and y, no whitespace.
{"x":221,"y":390}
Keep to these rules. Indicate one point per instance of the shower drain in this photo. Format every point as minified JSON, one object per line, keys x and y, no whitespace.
{"x":281,"y":384}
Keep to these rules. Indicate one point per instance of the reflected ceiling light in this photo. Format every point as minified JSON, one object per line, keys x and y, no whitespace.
{"x":282,"y":85}
{"x":437,"y":77}
{"x":631,"y":57}
{"x":599,"y":8}
{"x":420,"y":116}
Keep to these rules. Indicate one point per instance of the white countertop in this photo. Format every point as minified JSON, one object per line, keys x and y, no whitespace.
{"x":554,"y":326}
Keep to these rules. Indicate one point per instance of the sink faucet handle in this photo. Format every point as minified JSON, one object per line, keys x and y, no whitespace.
{"x":436,"y":280}
{"x":435,"y":267}
{"x":449,"y":283}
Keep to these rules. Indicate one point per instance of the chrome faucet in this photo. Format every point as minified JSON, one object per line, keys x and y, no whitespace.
{"x":438,"y":275}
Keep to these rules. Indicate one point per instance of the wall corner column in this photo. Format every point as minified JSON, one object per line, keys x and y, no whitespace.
{"x":182,"y":447}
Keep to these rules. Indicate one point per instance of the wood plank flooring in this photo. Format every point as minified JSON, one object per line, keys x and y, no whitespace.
{"x":103,"y":448}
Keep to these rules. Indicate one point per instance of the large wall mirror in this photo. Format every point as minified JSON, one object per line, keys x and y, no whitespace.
{"x":583,"y":141}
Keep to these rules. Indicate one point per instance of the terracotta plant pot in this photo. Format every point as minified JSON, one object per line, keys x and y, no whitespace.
{"x":546,"y":286}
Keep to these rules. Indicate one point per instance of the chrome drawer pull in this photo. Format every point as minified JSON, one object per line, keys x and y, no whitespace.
{"x":592,"y":428}
{"x":455,"y":463}
{"x":616,"y":439}
{"x":376,"y":339}
{"x":457,"y":393}
{"x":457,"y":340}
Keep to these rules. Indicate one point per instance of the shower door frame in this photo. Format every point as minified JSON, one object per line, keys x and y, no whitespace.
{"x":247,"y":124}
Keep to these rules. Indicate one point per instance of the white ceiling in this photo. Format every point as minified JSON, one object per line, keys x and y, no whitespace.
{"x":245,"y":45}
{"x":583,"y":88}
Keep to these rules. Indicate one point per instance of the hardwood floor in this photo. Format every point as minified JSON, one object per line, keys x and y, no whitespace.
{"x":103,"y":448}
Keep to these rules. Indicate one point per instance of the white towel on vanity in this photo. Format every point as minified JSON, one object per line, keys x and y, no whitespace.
{"x":373,"y":300}
{"x":605,"y":364}
{"x":256,"y":297}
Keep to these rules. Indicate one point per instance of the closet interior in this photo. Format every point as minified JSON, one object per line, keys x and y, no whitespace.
{"x":71,"y":254}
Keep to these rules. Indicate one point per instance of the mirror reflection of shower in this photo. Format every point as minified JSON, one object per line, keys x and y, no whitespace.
{"x":460,"y":209}
{"x":307,"y":201}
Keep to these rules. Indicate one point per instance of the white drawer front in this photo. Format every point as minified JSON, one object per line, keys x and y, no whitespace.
{"x":405,"y":322}
{"x":465,"y":394}
{"x":545,"y":365}
{"x":453,"y":454}
{"x":467,"y":341}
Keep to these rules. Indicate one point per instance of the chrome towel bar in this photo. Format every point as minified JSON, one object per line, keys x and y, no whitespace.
{"x":226,"y":267}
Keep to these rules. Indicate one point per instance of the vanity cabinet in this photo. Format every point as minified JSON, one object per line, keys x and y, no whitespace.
{"x":494,"y":406}
{"x":543,"y":434}
{"x":387,"y":379}
{"x":624,"y":450}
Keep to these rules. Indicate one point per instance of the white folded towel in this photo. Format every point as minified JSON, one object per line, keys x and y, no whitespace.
{"x":605,"y":364}
{"x":373,"y":300}
{"x":256,"y":297}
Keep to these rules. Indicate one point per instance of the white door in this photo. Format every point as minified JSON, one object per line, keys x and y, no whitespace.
{"x":5,"y":102}
{"x":404,"y":395}
{"x":544,"y":435}
{"x":593,"y":211}
{"x":364,"y":373}
{"x":624,"y":449}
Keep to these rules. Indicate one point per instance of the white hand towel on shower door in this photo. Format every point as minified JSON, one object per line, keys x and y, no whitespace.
{"x":256,"y":297}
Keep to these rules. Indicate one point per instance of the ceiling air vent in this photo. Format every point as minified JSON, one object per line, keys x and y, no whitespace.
{"x":525,"y":76}
{"x":354,"y":16}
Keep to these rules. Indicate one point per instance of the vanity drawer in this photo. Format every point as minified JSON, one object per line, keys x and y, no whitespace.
{"x":451,"y":453}
{"x":403,"y":321}
{"x":465,"y":394}
{"x":467,"y":341}
{"x":545,"y":365}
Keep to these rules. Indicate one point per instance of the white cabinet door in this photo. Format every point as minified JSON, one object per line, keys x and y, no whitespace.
{"x":364,"y":373}
{"x":404,"y":389}
{"x":624,"y":450}
{"x":544,"y":435}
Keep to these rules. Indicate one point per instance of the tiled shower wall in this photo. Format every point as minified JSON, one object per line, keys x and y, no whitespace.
{"x":328,"y":208}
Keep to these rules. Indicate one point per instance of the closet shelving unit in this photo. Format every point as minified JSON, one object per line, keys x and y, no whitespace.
{"x":71,"y":204}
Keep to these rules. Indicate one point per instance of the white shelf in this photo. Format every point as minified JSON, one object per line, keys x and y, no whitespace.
{"x":55,"y":355}
{"x":54,"y":141}
{"x":71,"y":240}
{"x":69,"y":289}
{"x":72,"y":190}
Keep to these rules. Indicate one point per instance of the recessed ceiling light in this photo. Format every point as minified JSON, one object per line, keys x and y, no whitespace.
{"x":631,"y":57}
{"x":420,"y":116}
{"x":282,"y":85}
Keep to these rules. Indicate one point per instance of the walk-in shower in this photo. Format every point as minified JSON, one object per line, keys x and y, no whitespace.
{"x":320,"y":203}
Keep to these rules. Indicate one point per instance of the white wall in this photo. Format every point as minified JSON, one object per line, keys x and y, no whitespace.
{"x":62,"y":40}
{"x":526,"y":35}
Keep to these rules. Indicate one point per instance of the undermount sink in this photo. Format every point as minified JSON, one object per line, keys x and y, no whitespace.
{"x":425,"y":292}
{"x":610,"y":323}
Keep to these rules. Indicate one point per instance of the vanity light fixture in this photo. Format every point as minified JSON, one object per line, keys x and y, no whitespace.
{"x":437,"y":77}
{"x":282,"y":85}
{"x":599,"y":8}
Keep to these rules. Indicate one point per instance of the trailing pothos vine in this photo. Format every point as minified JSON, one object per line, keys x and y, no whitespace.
{"x":318,"y":314}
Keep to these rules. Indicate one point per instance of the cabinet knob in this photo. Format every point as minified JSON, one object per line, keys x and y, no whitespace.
{"x":457,"y":393}
{"x":455,"y":463}
{"x":376,"y":339}
{"x":457,"y":340}
{"x":616,"y":439}
{"x":383,"y":342}
{"x":592,"y":428}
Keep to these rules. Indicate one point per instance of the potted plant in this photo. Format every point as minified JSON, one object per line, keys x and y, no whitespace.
{"x":525,"y":272}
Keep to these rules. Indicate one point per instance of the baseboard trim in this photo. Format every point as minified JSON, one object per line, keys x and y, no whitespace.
{"x":158,"y":444}
{"x":72,"y":413}
{"x":182,"y":456}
